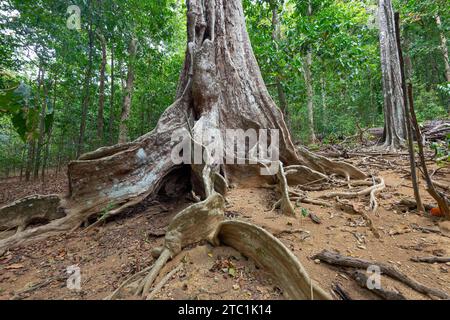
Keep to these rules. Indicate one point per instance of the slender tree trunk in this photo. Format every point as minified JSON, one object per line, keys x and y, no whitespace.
{"x":41,"y":137}
{"x":30,"y":161}
{"x":60,"y":153}
{"x":412,"y":155}
{"x":323,"y":89}
{"x":126,"y":107}
{"x":101,"y":99}
{"x":86,"y":95}
{"x":307,"y":65}
{"x":276,"y":37}
{"x":24,"y":150}
{"x":49,"y":135}
{"x":111,"y":101}
{"x":394,"y":124}
{"x":440,"y":198}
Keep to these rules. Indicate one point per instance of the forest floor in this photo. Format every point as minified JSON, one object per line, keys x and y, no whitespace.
{"x":111,"y":253}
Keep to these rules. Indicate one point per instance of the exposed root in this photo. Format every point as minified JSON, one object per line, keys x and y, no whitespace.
{"x":130,"y":280}
{"x":163,"y":282}
{"x":66,"y":224}
{"x":195,"y":223}
{"x":21,"y":213}
{"x":372,"y":191}
{"x":286,"y":205}
{"x":298,"y":174}
{"x":327,"y":166}
{"x":146,"y":284}
{"x":270,"y":253}
{"x":299,"y":200}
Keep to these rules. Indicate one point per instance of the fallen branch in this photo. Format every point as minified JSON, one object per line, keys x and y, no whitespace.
{"x":340,"y":292}
{"x":431,"y":259}
{"x":361,"y":279}
{"x":344,"y":261}
{"x":428,"y":230}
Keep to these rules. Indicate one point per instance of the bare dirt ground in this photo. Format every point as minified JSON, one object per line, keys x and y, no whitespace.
{"x":111,"y":253}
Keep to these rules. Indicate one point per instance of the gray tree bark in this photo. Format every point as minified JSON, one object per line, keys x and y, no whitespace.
{"x":126,"y":107}
{"x":307,"y":65}
{"x":394,"y":125}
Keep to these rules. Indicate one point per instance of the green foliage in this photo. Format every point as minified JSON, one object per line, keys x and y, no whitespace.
{"x":18,"y":102}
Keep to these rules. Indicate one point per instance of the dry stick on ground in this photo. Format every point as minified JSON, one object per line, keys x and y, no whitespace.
{"x":340,"y":292}
{"x":442,"y":201}
{"x":361,"y":279}
{"x":431,"y":259}
{"x":428,"y":230}
{"x":412,"y":160}
{"x":344,"y":261}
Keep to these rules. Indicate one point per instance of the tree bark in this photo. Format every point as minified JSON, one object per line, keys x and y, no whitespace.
{"x":394,"y":124}
{"x":30,"y":160}
{"x":49,"y":135}
{"x":111,"y":101}
{"x":309,"y":88}
{"x":86,"y":94}
{"x":276,"y":37}
{"x":126,"y":107}
{"x":101,"y":98}
{"x":412,"y":154}
{"x":40,"y":143}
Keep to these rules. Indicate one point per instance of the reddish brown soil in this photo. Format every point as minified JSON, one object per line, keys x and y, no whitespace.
{"x":113,"y":252}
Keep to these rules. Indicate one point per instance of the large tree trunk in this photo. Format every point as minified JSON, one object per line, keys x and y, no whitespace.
{"x":307,"y":65}
{"x":126,"y":107}
{"x":220,"y":88}
{"x":394,"y":126}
